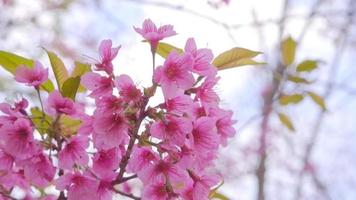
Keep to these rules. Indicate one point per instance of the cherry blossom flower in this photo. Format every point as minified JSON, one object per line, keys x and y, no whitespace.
{"x":74,"y":153}
{"x":57,"y":104}
{"x":107,"y":55}
{"x":152,"y":34}
{"x":31,"y":76}
{"x":99,"y":85}
{"x":127,"y":88}
{"x":174,"y":76}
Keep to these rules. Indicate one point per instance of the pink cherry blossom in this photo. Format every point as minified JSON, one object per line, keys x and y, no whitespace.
{"x":224,"y":123}
{"x":74,"y":153}
{"x":110,"y":129}
{"x":57,"y":104}
{"x":152,"y":34}
{"x":127,"y":89}
{"x":207,"y":94}
{"x":173,"y":129}
{"x":200,"y":190}
{"x":6,"y":161}
{"x":105,"y":162}
{"x":156,"y":191}
{"x":39,"y":170}
{"x":99,"y":85}
{"x":141,"y":158}
{"x":80,"y":187}
{"x":202,"y":59}
{"x":204,"y":137}
{"x":17,"y":139}
{"x":180,"y":105}
{"x":175,"y":76}
{"x":31,"y":76}
{"x":107,"y":55}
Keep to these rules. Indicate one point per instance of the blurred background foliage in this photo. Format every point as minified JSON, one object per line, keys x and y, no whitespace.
{"x":296,"y":114}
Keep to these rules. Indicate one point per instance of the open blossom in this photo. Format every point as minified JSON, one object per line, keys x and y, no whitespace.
{"x":17,"y":138}
{"x":32,"y":76}
{"x":39,"y":170}
{"x":172,"y":130}
{"x":180,"y":105}
{"x":105,"y":162}
{"x":80,"y":187}
{"x":174,"y":76}
{"x":224,"y":123}
{"x":74,"y":153}
{"x":202,"y":59}
{"x":110,"y":129}
{"x":156,"y":191}
{"x":107,"y":55}
{"x":207,"y":94}
{"x":204,"y":137}
{"x":200,"y":190}
{"x":142,"y":157}
{"x":57,"y":104}
{"x":127,"y":89}
{"x":152,"y":34}
{"x":99,"y":85}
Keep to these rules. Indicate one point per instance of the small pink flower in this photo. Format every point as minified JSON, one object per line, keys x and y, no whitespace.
{"x":141,"y":158}
{"x":201,"y":188}
{"x":207,"y":94}
{"x":180,"y":105}
{"x":79,"y":187}
{"x":107,"y":55}
{"x":105,"y":162}
{"x":204,"y":137}
{"x":155,"y":191}
{"x":10,"y":179}
{"x":175,"y":76}
{"x":74,"y":153}
{"x":161,"y":170}
{"x":224,"y":123}
{"x":202,"y":59}
{"x":172,"y":130}
{"x":127,"y":89}
{"x":99,"y":85}
{"x":39,"y":170}
{"x":60,"y":105}
{"x":17,"y":138}
{"x":6,"y":161}
{"x":110,"y":129}
{"x":31,"y":76}
{"x":152,"y":34}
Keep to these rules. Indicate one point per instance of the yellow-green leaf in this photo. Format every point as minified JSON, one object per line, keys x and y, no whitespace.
{"x":79,"y":70}
{"x":288,"y":48}
{"x":10,"y":62}
{"x":318,"y":100}
{"x":286,"y":121}
{"x":68,"y":125}
{"x":70,"y":87}
{"x":297,"y":79}
{"x":163,"y":49}
{"x":217,"y":195}
{"x":307,"y":66}
{"x":289,"y":99}
{"x":41,"y":121}
{"x":59,"y":69}
{"x":236,"y":57}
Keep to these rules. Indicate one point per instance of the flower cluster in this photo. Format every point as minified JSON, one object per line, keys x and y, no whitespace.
{"x":169,"y":147}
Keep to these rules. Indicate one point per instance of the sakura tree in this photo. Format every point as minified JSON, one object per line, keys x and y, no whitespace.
{"x":95,"y":152}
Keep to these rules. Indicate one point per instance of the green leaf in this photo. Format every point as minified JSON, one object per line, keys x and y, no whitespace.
{"x":307,"y":66}
{"x":70,"y":87}
{"x":288,"y":48}
{"x":10,"y":62}
{"x":318,"y":100}
{"x":290,"y":99}
{"x":79,"y":70}
{"x":286,"y":121}
{"x":68,"y":125}
{"x":59,"y":69}
{"x":41,"y":123}
{"x":163,"y":49}
{"x":217,"y":195}
{"x":297,"y":79}
{"x":236,"y":57}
